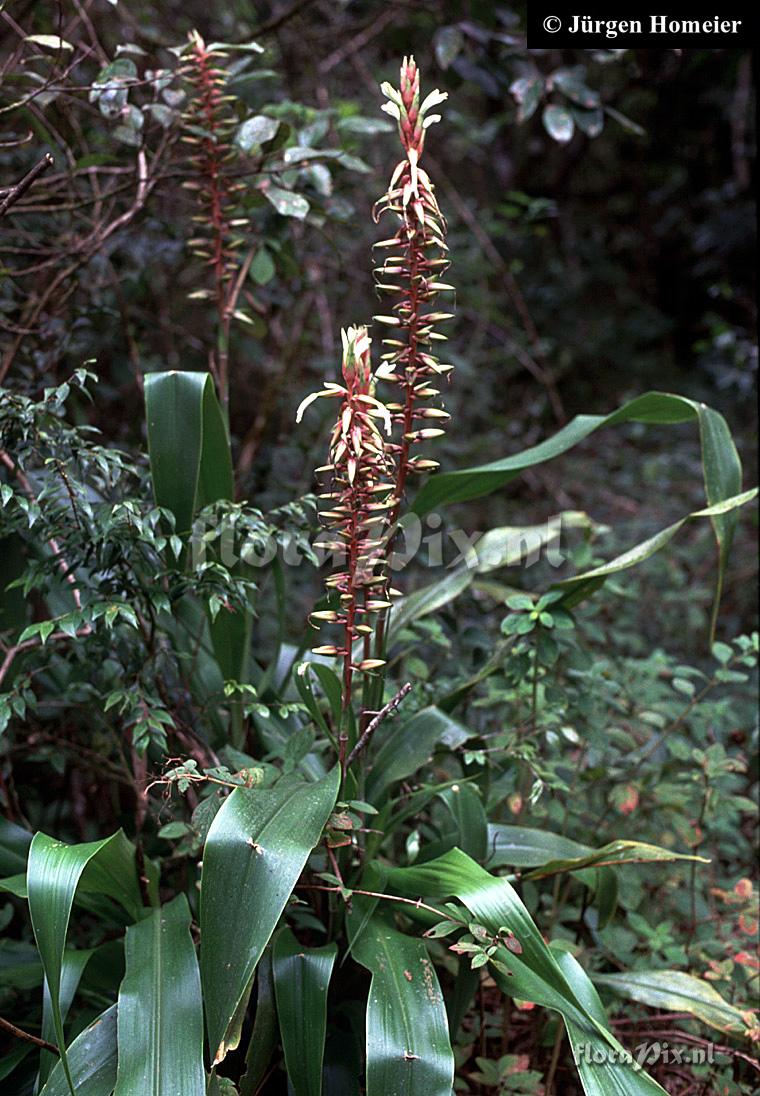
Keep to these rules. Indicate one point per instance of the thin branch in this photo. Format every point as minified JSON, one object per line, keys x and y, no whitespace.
{"x":6,"y":1025}
{"x":19,"y":190}
{"x":391,"y":706}
{"x":278,"y":20}
{"x":358,"y":42}
{"x":17,"y":648}
{"x":416,"y":902}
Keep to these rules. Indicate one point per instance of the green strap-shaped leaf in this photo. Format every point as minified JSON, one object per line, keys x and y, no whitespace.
{"x":54,"y":872}
{"x":191,"y":467}
{"x":677,"y":991}
{"x":72,"y":970}
{"x":495,"y":903}
{"x":580,"y":586}
{"x":529,"y":969}
{"x":408,"y":745}
{"x":255,"y":851}
{"x":160,"y":1010}
{"x":468,"y":811}
{"x":91,"y":1061}
{"x":14,"y":847}
{"x":190,"y":460}
{"x":408,"y":1047}
{"x":616,"y":852}
{"x":264,"y":1034}
{"x":610,"y":1076}
{"x":551,"y":853}
{"x":525,"y":847}
{"x":506,"y":546}
{"x":720,"y":461}
{"x":301,"y":981}
{"x":722,"y":469}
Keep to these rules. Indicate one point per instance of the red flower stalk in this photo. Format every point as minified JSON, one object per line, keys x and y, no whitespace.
{"x":207,"y":129}
{"x":412,"y":274}
{"x":360,"y":496}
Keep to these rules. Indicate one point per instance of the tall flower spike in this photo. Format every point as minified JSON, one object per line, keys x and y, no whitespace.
{"x":411,"y":273}
{"x":360,"y":494}
{"x":207,"y":127}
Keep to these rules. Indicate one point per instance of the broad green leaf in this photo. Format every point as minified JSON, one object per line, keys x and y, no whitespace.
{"x":494,"y":903}
{"x":580,"y":586}
{"x":190,"y":462}
{"x":550,"y":853}
{"x":408,"y":745}
{"x":72,"y":970}
{"x":92,"y":1061}
{"x":54,"y":872}
{"x":160,"y":1011}
{"x":611,"y":1076}
{"x":558,"y":123}
{"x":507,"y":546}
{"x":529,"y":969}
{"x":301,"y":982}
{"x":428,"y":599}
{"x":571,"y":82}
{"x":255,"y":132}
{"x":255,"y":851}
{"x":527,"y":91}
{"x":447,"y":43}
{"x":676,"y":991}
{"x":720,"y":461}
{"x":467,"y":810}
{"x":606,"y":893}
{"x":590,"y":122}
{"x":14,"y":847}
{"x":616,"y":852}
{"x":191,"y":467}
{"x":264,"y":1034}
{"x":408,"y":1048}
{"x":286,"y":202}
{"x":524,"y":847}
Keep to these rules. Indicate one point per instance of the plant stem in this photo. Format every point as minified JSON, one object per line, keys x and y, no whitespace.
{"x":376,"y":721}
{"x":6,"y":1025}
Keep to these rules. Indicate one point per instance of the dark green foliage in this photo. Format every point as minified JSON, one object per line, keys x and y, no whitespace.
{"x":538,"y":858}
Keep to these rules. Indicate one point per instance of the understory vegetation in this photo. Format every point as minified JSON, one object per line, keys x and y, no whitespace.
{"x":378,"y":650}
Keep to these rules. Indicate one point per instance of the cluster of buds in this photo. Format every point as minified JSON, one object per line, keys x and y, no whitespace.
{"x":359,"y":498}
{"x":412,"y":271}
{"x":207,"y":127}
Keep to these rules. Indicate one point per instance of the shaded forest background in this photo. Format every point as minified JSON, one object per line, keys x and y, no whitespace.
{"x":602,"y":223}
{"x":587,"y":271}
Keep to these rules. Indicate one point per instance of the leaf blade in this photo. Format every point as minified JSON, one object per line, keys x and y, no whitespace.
{"x":408,"y":1047}
{"x":255,"y":851}
{"x":301,"y":981}
{"x":160,"y":1017}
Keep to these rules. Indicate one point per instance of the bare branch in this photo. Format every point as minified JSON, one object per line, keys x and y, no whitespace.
{"x":372,"y":726}
{"x":13,"y":193}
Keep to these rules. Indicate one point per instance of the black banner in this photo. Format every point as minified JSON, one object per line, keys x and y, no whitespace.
{"x":680,"y":25}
